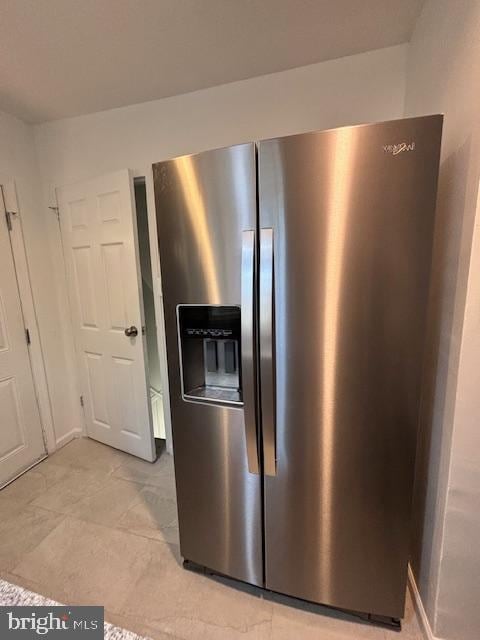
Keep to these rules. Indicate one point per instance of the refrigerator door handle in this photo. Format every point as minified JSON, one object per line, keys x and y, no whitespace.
{"x":248,"y":349}
{"x":267,"y":351}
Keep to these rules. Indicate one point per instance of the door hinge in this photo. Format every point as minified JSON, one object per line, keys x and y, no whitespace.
{"x":8,"y":217}
{"x":27,"y":336}
{"x":81,"y":401}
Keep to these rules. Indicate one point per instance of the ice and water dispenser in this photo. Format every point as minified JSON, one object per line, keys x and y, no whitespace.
{"x":209,"y":341}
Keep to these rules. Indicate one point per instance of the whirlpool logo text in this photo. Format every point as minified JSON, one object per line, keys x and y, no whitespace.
{"x":401,"y":147}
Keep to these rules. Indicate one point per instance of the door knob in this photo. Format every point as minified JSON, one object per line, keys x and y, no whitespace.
{"x":131,"y":332}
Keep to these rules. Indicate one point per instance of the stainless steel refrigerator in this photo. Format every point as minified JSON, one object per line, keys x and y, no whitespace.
{"x":295,"y":276}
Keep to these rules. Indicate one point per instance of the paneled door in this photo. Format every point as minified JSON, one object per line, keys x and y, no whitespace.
{"x":99,"y":236}
{"x":21,"y":439}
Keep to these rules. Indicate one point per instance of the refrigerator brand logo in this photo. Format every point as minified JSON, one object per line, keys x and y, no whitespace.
{"x":395,"y":149}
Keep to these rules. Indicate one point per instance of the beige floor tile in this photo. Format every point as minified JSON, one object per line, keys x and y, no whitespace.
{"x":85,"y":453}
{"x":107,"y":504}
{"x":194,"y":606}
{"x":34,"y":483}
{"x":86,"y":563}
{"x":159,"y":473}
{"x":137,"y":626}
{"x":77,"y":485}
{"x":297,"y":619}
{"x":152,"y":515}
{"x":22,"y":529}
{"x":8,"y":506}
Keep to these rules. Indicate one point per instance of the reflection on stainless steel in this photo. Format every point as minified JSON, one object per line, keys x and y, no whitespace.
{"x":198,"y":220}
{"x":338,"y":205}
{"x":248,"y":349}
{"x":200,"y":225}
{"x":267,"y":358}
{"x":331,"y":391}
{"x":353,"y":230}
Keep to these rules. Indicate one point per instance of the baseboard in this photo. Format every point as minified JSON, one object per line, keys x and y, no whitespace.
{"x":67,"y":437}
{"x":419,"y":608}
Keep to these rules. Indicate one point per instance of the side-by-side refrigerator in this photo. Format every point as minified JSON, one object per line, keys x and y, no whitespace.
{"x":295,"y":276}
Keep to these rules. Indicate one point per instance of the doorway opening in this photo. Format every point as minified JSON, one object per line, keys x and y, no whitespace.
{"x":150,"y":325}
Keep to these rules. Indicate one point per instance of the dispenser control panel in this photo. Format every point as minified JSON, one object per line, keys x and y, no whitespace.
{"x":210,"y":353}
{"x":209,"y":333}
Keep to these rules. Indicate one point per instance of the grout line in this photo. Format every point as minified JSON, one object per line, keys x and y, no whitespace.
{"x":37,"y":544}
{"x":115,"y":528}
{"x":47,"y":509}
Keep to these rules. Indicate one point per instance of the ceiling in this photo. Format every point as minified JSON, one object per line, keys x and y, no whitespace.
{"x":62,"y":58}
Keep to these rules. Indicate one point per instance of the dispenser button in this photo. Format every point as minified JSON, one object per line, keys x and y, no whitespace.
{"x":229,"y":349}
{"x":212,"y":355}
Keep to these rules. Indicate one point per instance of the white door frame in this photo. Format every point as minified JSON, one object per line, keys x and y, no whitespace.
{"x":147,"y":174}
{"x":37,"y":362}
{"x":158,"y":301}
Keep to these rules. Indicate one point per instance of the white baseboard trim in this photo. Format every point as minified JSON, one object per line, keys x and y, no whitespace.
{"x":67,"y":437}
{"x":419,"y":608}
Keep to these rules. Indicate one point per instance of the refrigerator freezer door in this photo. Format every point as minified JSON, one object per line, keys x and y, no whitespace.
{"x":352,"y":213}
{"x":204,"y":205}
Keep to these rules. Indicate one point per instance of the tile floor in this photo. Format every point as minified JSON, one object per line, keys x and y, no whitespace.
{"x":92,"y":525}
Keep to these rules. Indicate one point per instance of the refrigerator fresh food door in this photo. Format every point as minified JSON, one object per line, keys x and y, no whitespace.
{"x":206,"y":212}
{"x":346,"y":229}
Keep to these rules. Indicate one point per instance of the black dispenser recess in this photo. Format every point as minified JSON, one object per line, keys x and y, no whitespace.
{"x":210,"y":353}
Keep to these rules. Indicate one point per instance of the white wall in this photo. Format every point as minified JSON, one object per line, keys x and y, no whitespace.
{"x":18,"y":162}
{"x":361,"y":88}
{"x":444,"y":75}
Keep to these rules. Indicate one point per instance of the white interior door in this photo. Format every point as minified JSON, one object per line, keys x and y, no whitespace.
{"x":21,"y":439}
{"x":103,"y":276}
